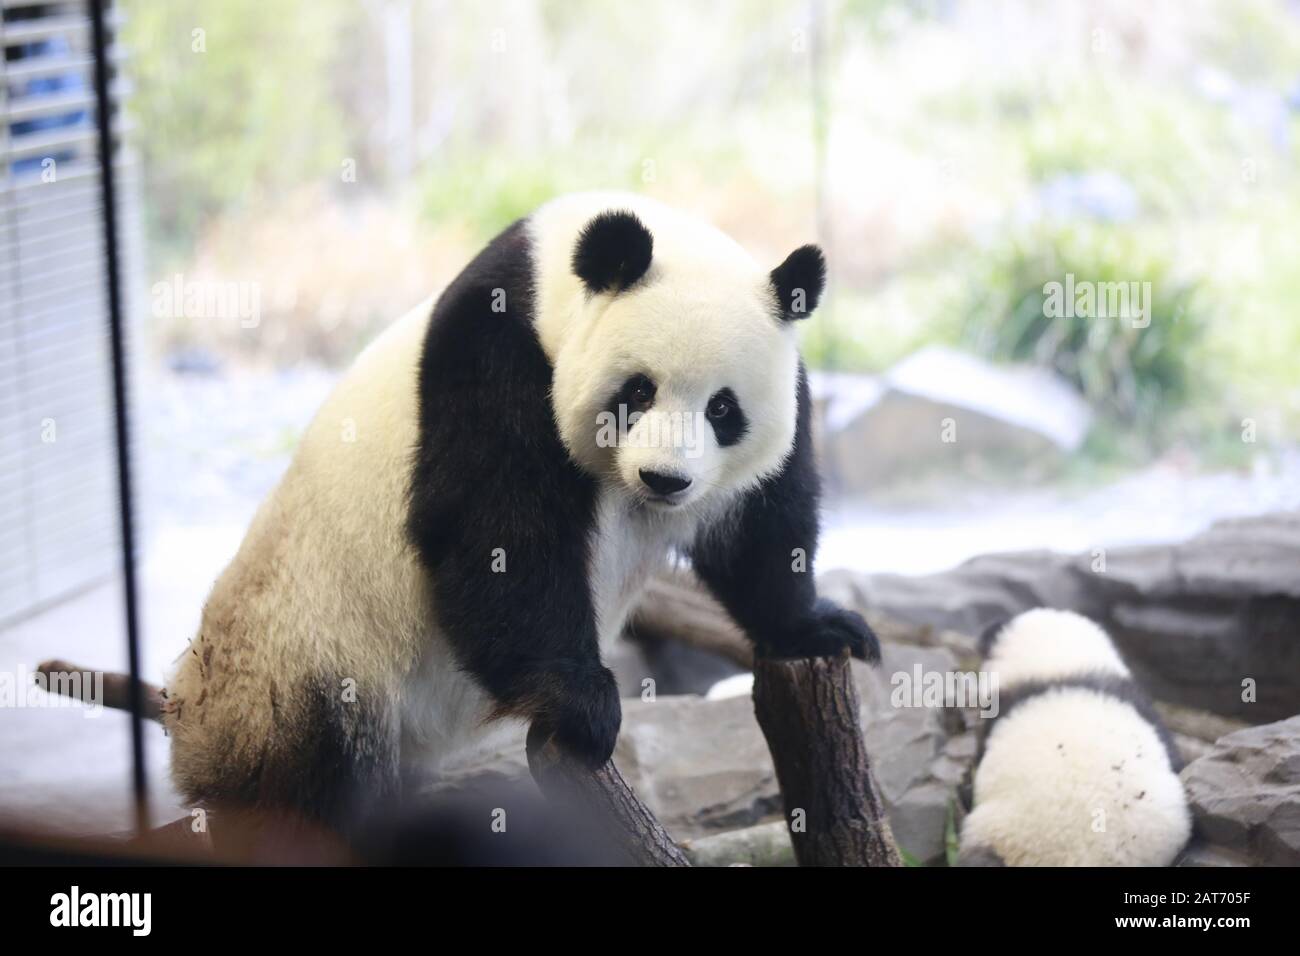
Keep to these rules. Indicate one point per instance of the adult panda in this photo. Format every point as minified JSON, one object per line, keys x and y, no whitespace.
{"x":1076,"y":768}
{"x":461,"y":529}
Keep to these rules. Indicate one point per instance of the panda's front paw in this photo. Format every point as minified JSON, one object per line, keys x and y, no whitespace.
{"x":827,"y":631}
{"x":584,"y":714}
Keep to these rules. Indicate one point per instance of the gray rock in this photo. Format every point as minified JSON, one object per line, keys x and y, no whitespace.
{"x":1010,"y":416}
{"x":903,"y":742}
{"x":1200,"y":853}
{"x":1245,"y":797}
{"x":1191,"y":748}
{"x":700,"y":766}
{"x":1200,"y":623}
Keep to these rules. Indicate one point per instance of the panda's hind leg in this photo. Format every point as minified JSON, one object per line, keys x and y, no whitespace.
{"x":338,"y":757}
{"x":323,"y":754}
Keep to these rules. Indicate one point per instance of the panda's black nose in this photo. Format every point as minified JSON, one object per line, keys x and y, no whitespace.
{"x":663,"y":484}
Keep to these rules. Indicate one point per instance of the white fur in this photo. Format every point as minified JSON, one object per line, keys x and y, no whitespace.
{"x":1072,"y":776}
{"x":1077,"y":778}
{"x":737,"y":685}
{"x":326,"y":582}
{"x":1045,"y":643}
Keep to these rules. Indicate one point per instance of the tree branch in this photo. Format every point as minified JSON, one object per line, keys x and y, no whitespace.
{"x":116,"y":689}
{"x":628,"y":821}
{"x":808,"y":711}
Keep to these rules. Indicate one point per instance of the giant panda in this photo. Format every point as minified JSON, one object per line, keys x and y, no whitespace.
{"x":461,"y":532}
{"x":1076,"y":768}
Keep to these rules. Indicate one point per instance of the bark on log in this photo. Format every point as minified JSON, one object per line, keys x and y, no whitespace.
{"x":809,"y":713}
{"x":603,"y":791}
{"x":116,"y":691}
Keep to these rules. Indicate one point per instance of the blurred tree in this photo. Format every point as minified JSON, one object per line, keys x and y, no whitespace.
{"x":229,"y":99}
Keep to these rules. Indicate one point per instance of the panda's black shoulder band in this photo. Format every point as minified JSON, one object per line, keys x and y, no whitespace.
{"x":1123,"y":689}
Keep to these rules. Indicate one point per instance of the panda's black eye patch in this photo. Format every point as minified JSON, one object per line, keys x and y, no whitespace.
{"x":724,"y":414}
{"x":637,"y":393}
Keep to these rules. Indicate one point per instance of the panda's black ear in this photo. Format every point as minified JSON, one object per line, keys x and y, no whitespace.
{"x":798,"y":283}
{"x":613,"y":251}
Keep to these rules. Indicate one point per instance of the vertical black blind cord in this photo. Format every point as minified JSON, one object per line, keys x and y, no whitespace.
{"x":108,"y":191}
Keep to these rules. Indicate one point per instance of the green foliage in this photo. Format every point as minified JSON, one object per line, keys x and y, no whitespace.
{"x":245,"y":105}
{"x":908,"y":858}
{"x":1104,"y":124}
{"x":1136,"y":376}
{"x":951,"y":843}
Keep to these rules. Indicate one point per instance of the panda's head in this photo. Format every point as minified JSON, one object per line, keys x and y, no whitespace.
{"x":676,"y":377}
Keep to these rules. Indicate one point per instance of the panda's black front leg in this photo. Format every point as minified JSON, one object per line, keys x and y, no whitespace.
{"x":759,"y":564}
{"x":512,"y":598}
{"x":499,"y":515}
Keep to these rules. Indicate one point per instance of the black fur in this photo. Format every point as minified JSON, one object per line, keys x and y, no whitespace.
{"x":1112,"y":685}
{"x":492,"y":473}
{"x":749,"y":562}
{"x":731,"y":427}
{"x":989,"y":636}
{"x":330,"y":757}
{"x":613,"y":252}
{"x":804,"y":271}
{"x":626,"y":398}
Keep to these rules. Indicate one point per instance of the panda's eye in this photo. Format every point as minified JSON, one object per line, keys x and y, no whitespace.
{"x":719,"y":406}
{"x":640,"y":391}
{"x":727,"y":417}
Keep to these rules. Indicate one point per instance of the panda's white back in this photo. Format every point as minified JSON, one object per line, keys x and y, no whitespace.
{"x":1077,"y":778}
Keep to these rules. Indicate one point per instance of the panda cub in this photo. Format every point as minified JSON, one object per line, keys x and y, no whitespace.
{"x":1076,"y":769}
{"x":470,"y":516}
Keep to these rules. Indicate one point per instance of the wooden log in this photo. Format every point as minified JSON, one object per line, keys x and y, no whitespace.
{"x":766,"y":844}
{"x":676,"y":607}
{"x":809,"y":713}
{"x":604,"y":792}
{"x":116,"y":690}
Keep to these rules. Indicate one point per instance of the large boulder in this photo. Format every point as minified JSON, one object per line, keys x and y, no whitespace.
{"x":1004,"y":416}
{"x":1212,"y":623}
{"x":1245,"y":798}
